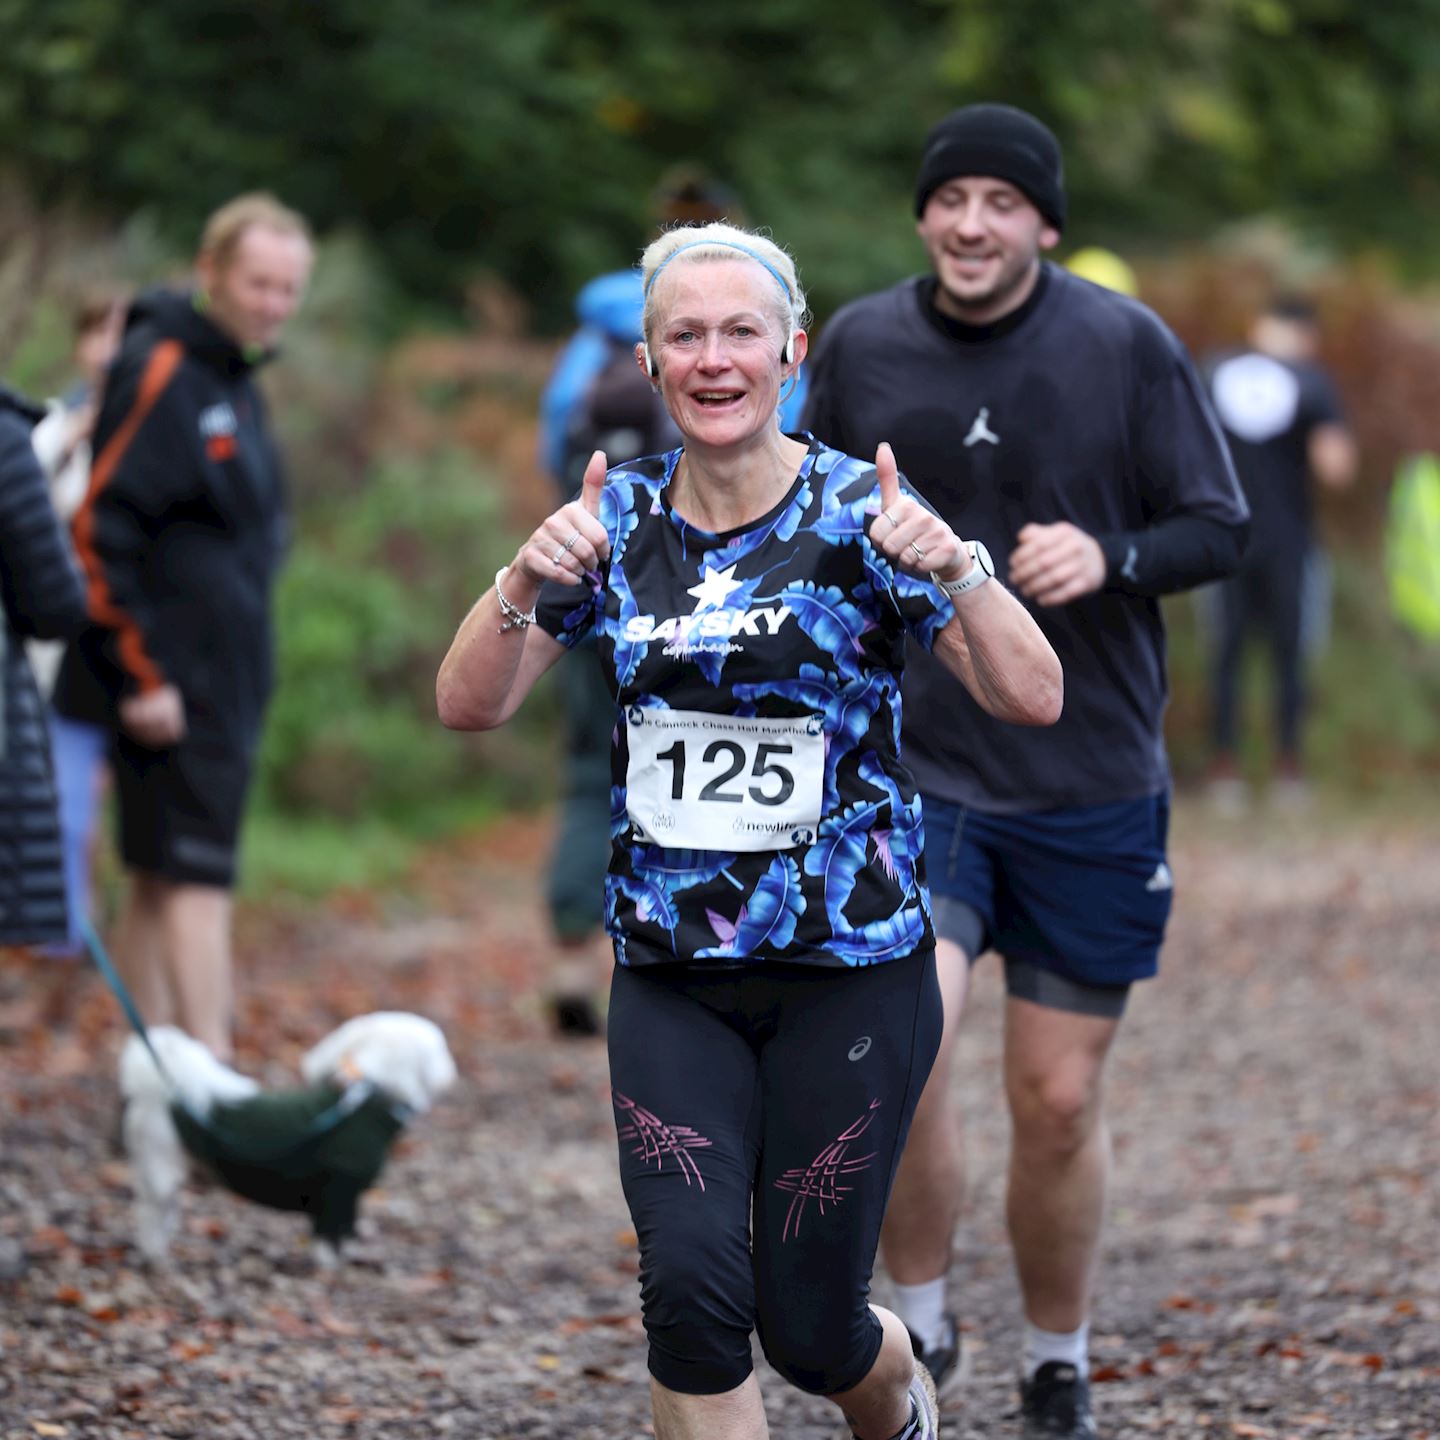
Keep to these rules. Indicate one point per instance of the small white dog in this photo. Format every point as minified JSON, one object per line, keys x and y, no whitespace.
{"x":317,"y":1149}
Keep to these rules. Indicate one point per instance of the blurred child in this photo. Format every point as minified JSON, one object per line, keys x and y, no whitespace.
{"x":62,"y":443}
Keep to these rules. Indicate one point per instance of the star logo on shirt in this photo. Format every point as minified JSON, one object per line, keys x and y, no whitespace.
{"x":714,"y":589}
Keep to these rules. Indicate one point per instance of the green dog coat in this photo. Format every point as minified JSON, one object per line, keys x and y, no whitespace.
{"x":316,"y":1150}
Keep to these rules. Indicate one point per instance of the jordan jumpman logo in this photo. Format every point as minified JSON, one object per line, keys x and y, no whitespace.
{"x":980,"y":429}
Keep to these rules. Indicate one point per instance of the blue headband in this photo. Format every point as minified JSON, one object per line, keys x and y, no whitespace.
{"x":729,"y":245}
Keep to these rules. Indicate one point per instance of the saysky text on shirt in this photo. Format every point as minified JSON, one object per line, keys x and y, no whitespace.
{"x":760,"y":808}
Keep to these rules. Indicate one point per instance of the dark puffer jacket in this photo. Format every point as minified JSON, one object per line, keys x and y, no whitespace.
{"x":43,"y":600}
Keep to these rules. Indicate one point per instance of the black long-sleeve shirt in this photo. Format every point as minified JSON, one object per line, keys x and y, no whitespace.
{"x":1079,"y":406}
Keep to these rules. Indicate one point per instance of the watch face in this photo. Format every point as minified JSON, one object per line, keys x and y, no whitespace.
{"x":982,"y":558}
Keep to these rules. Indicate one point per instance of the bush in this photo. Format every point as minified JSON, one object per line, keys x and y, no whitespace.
{"x":365,"y":611}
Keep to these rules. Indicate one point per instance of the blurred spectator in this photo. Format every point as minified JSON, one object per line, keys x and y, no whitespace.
{"x":42,"y":599}
{"x":181,"y":535}
{"x":62,"y":441}
{"x":1061,"y":425}
{"x":1285,"y":428}
{"x":598,"y":398}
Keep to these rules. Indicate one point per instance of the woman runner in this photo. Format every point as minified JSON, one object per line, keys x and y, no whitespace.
{"x":774,"y":1011}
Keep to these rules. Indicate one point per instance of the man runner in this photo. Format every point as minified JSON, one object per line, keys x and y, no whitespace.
{"x":1062,"y":425}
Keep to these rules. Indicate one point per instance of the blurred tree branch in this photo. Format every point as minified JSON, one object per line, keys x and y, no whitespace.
{"x":522,"y":137}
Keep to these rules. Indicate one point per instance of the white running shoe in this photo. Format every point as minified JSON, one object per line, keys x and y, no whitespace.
{"x":927,"y":1407}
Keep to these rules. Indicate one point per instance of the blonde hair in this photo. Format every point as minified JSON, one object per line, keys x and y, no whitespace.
{"x":695,"y":244}
{"x":225,"y":228}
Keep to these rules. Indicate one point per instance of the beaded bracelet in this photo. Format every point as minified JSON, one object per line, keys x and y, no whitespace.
{"x":515,"y":617}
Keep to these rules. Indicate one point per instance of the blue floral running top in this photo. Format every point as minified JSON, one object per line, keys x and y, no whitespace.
{"x":760,"y":809}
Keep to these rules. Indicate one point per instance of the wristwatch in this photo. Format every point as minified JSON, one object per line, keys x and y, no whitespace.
{"x":981,"y":569}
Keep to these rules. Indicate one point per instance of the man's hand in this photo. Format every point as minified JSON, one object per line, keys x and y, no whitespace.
{"x":1055,"y":564}
{"x":155,"y":719}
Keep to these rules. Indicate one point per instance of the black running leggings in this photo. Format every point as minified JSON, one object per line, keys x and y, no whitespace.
{"x":761,"y":1112}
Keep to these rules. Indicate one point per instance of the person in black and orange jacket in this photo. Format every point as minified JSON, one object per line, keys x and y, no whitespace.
{"x":180,"y":537}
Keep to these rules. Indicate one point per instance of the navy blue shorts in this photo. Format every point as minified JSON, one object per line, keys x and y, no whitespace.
{"x":1081,"y":893}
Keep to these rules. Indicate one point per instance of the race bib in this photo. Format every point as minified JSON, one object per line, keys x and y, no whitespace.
{"x":698,"y":781}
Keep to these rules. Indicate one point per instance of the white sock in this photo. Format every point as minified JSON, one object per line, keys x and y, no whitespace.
{"x":922,"y":1308}
{"x":1043,"y":1346}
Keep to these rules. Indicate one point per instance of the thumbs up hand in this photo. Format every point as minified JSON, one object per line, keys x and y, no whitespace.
{"x":572,"y":542}
{"x":593,"y":484}
{"x":888,"y":474}
{"x":911,"y":536}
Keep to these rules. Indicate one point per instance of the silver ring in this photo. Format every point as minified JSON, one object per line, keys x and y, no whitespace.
{"x":569,"y":544}
{"x":560,"y":554}
{"x":919,"y":553}
{"x":894,"y":523}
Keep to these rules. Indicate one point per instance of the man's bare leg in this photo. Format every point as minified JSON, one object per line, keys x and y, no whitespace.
{"x":197,"y":947}
{"x":140,"y":947}
{"x":928,"y":1194}
{"x":929,"y":1190}
{"x":1060,"y":1156}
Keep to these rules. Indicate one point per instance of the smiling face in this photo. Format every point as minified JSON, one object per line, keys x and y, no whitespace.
{"x":984,"y":238}
{"x":258,"y":286}
{"x":719,"y":327}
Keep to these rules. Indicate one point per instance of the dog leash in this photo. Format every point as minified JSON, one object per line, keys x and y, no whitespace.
{"x":350,"y":1099}
{"x":111,"y":976}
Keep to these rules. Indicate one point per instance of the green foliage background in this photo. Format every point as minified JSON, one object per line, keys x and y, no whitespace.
{"x":521,"y":137}
{"x":455,"y":156}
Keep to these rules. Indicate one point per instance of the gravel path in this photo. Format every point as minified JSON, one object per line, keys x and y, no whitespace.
{"x":1272,"y":1269}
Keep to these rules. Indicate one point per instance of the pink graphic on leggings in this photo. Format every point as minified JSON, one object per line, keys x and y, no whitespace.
{"x":820,"y":1180}
{"x":657,"y":1139}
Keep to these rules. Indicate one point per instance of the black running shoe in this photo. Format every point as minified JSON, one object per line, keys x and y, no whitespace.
{"x":1055,"y":1404}
{"x":947,"y":1362}
{"x":575,"y":1015}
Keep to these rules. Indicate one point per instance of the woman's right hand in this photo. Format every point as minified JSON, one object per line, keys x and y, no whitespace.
{"x":572,"y":541}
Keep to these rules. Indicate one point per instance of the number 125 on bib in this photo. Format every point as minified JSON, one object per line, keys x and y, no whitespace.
{"x":698,"y":781}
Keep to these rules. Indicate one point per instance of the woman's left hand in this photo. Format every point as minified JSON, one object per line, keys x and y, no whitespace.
{"x":914,"y":538}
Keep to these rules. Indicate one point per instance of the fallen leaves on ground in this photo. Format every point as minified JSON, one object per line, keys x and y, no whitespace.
{"x":1271,"y":1266}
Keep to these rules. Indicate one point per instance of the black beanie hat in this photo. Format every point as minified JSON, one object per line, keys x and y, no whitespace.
{"x":996,"y":140}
